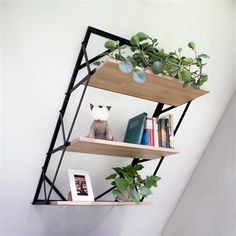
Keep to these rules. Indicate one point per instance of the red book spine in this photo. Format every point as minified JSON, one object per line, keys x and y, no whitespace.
{"x":153,"y":137}
{"x":150,"y":132}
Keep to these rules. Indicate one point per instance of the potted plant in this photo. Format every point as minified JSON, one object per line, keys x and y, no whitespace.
{"x":146,"y":55}
{"x":129,"y":185}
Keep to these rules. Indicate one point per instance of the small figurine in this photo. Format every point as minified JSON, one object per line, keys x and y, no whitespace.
{"x":100,"y":128}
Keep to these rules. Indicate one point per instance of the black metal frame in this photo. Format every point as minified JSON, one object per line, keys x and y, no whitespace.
{"x":60,"y":124}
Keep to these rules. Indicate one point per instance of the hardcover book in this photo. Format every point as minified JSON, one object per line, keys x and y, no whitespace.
{"x":135,"y":128}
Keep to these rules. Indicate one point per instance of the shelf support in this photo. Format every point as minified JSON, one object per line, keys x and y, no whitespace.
{"x":60,"y":124}
{"x":63,"y":109}
{"x":90,"y":30}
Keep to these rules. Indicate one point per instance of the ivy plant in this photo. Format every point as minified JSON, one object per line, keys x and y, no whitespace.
{"x":128,"y":180}
{"x":146,"y":55}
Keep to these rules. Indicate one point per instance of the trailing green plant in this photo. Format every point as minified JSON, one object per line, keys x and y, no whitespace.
{"x":127,"y":180}
{"x":145,"y":55}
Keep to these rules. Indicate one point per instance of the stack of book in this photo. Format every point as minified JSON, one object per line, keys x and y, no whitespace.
{"x":158,"y":132}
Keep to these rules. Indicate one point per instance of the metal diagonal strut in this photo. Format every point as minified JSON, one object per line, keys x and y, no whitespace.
{"x":175,"y":131}
{"x":67,"y":140}
{"x":71,"y":87}
{"x":63,"y":109}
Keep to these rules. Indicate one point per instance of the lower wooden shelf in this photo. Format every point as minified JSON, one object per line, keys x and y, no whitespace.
{"x":120,"y":149}
{"x":84,"y":203}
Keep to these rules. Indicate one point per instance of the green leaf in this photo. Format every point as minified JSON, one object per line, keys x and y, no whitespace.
{"x":148,"y":182}
{"x":121,"y":184}
{"x":167,"y":67}
{"x":128,"y":178}
{"x":199,"y":62}
{"x":111,"y":176}
{"x":138,"y":167}
{"x":141,"y":36}
{"x":111,"y":45}
{"x":139,"y":178}
{"x":192,"y":45}
{"x":116,"y":192}
{"x":204,"y":56}
{"x":204,"y":77}
{"x":196,"y":86}
{"x":135,"y":197}
{"x":97,"y":63}
{"x":118,"y":57}
{"x":187,"y":61}
{"x":135,"y":41}
{"x":154,"y":41}
{"x":157,"y":67}
{"x":117,"y":170}
{"x":145,"y":191}
{"x":174,"y":71}
{"x":184,"y":75}
{"x":155,"y":178}
{"x":133,"y":48}
{"x":130,"y":170}
{"x":179,"y":50}
{"x":172,"y":53}
{"x":144,"y":45}
{"x":113,"y":183}
{"x":162,"y":55}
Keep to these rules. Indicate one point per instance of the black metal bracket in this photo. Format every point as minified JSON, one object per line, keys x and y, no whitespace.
{"x":60,"y":123}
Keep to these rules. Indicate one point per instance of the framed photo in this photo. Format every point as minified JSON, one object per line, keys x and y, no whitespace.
{"x":80,"y":185}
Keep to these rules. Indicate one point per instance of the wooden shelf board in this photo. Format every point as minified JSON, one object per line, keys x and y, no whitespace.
{"x":120,"y":149}
{"x":100,"y":203}
{"x":158,"y":88}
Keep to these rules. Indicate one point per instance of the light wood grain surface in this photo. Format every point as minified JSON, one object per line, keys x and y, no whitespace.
{"x":164,"y":89}
{"x":113,"y":148}
{"x":84,"y":203}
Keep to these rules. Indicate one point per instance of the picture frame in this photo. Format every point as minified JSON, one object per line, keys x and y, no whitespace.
{"x":80,"y":185}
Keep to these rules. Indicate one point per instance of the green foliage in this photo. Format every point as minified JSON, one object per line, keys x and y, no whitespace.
{"x":127,"y":179}
{"x":146,"y":55}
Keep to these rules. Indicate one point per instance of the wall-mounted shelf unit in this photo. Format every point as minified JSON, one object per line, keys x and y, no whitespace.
{"x":161,"y":89}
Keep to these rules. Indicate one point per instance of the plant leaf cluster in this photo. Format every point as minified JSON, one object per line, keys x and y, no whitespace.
{"x":127,"y":179}
{"x":189,"y":70}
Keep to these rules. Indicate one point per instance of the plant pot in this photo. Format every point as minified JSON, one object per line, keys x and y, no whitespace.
{"x":124,"y":197}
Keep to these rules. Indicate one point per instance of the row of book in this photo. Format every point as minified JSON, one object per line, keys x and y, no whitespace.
{"x":158,"y":132}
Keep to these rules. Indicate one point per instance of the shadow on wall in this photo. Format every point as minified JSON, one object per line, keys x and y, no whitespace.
{"x":82,"y":220}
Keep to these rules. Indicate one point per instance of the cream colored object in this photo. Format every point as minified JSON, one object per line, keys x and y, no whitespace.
{"x":120,"y":149}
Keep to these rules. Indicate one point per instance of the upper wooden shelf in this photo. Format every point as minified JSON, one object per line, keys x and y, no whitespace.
{"x":120,"y":149}
{"x":164,"y":89}
{"x":98,"y":203}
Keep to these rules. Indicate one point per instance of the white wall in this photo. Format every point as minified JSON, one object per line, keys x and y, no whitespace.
{"x":207,"y":206}
{"x":40,"y":44}
{"x":1,"y":131}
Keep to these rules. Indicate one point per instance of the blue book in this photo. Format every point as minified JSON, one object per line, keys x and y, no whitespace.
{"x":135,"y":128}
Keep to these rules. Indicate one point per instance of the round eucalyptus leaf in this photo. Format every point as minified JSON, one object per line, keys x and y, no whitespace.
{"x":126,"y":66}
{"x":135,"y":41}
{"x":184,"y":75}
{"x":167,"y":67}
{"x":111,"y":44}
{"x":192,"y":45}
{"x":187,"y":61}
{"x":204,"y":77}
{"x":204,"y":56}
{"x":142,"y":36}
{"x":157,"y":67}
{"x":139,"y":76}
